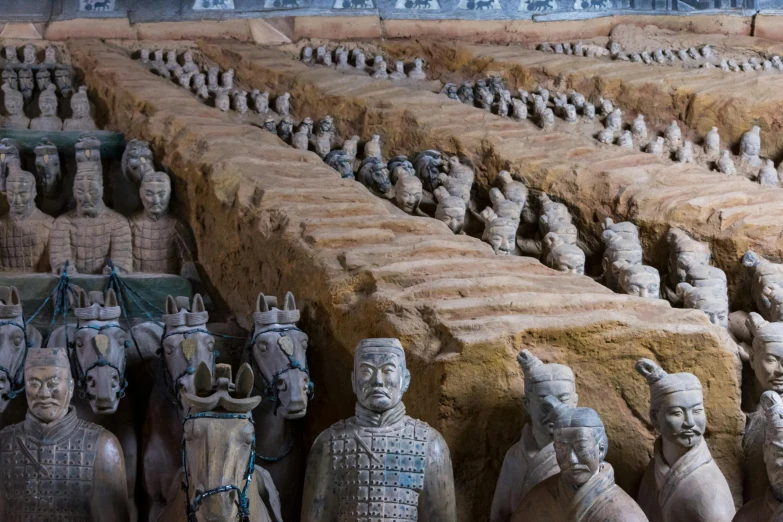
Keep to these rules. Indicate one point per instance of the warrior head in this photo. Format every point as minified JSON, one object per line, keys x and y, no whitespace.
{"x":450,"y":210}
{"x":43,"y":78}
{"x":155,"y":192}
{"x":580,"y":444}
{"x":639,"y":280}
{"x":48,"y":383}
{"x":47,"y":101}
{"x":14,"y":100}
{"x":676,"y":405}
{"x":544,"y":382}
{"x":380,"y":376}
{"x":80,"y":105}
{"x":408,"y":193}
{"x":136,"y":160}
{"x":772,"y":405}
{"x":499,"y":232}
{"x":766,"y":353}
{"x":20,"y":190}
{"x":88,"y":189}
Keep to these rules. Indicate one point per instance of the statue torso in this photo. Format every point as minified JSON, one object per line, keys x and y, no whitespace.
{"x":155,"y":244}
{"x":47,"y":474}
{"x":90,"y":238}
{"x":23,"y":242}
{"x":378,"y":472}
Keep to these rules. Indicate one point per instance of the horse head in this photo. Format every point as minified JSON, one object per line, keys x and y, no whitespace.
{"x":185,"y":342}
{"x":278,"y":353}
{"x":15,"y":340}
{"x":99,"y":351}
{"x":375,"y":176}
{"x":218,"y":449}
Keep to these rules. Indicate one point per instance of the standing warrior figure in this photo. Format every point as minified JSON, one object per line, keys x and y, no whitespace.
{"x":161,"y":242}
{"x":137,"y":159}
{"x":584,"y":489}
{"x":81,"y":119}
{"x":682,"y":482}
{"x":532,"y":460}
{"x":14,"y":106}
{"x":24,"y":230}
{"x":379,"y":464}
{"x":91,"y":232}
{"x":54,"y":465}
{"x":48,"y":120}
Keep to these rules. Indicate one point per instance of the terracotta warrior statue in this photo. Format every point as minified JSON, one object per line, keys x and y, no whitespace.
{"x":48,"y":168}
{"x":48,"y":120}
{"x":56,"y":466}
{"x":24,"y":230}
{"x":767,"y":508}
{"x":162,"y":243}
{"x":682,"y":482}
{"x":62,"y":77}
{"x":81,"y":119}
{"x":14,"y":106}
{"x":136,"y":160}
{"x":584,"y":489}
{"x":532,"y":460}
{"x":91,"y":232}
{"x":9,"y":159}
{"x":379,"y":464}
{"x":450,"y":210}
{"x":408,"y":193}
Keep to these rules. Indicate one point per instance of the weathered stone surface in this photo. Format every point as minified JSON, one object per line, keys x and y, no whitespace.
{"x":268,"y":217}
{"x":732,"y":214}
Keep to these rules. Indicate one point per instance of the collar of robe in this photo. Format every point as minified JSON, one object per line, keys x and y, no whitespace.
{"x":370,"y":419}
{"x":52,"y":432}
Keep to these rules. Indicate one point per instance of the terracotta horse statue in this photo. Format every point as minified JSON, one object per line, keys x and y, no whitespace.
{"x":218,"y":479}
{"x":98,"y":346}
{"x":278,"y":356}
{"x":184,"y":343}
{"x":16,"y":339}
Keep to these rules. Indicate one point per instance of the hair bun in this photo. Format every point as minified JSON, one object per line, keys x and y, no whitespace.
{"x":650,"y":371}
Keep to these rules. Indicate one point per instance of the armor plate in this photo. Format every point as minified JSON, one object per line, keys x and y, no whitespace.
{"x":86,"y":241}
{"x":57,"y":487}
{"x":379,"y":472}
{"x":23,"y":243}
{"x":155,"y":248}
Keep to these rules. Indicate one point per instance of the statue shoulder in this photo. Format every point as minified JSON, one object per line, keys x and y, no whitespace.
{"x":8,"y":434}
{"x":108,"y":449}
{"x":114,"y":215}
{"x":64,"y":220}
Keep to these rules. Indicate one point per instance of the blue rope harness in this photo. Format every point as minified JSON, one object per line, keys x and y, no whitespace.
{"x":81,"y":374}
{"x":17,"y":379}
{"x":243,"y":503}
{"x":170,"y":383}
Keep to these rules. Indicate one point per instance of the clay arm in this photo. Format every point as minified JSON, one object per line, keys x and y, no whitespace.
{"x":438,"y":502}
{"x":110,"y":487}
{"x":268,"y":493}
{"x":60,"y":245}
{"x":120,"y":251}
{"x":509,"y":478}
{"x":318,"y":502}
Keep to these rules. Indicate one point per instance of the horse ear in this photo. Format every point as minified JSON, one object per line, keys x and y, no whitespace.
{"x":171,"y":306}
{"x":14,"y":298}
{"x":198,"y":304}
{"x":244,"y":381}
{"x":84,"y":299}
{"x":290,"y":304}
{"x":203,"y":379}
{"x":261,"y":302}
{"x":111,"y":298}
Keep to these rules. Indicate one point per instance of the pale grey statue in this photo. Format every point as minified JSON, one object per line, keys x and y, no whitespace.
{"x":750,"y":147}
{"x":346,"y":456}
{"x":48,"y":120}
{"x":450,"y":210}
{"x":682,"y":481}
{"x":673,"y":136}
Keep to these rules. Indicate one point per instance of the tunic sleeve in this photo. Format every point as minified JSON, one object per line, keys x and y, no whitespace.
{"x":438,"y":502}
{"x":318,"y":502}
{"x":60,"y":243}
{"x":120,"y":252}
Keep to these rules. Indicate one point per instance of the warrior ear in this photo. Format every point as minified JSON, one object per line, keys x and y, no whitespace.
{"x":770,"y":399}
{"x":84,"y":299}
{"x":290,"y":304}
{"x":244,"y":382}
{"x":14,"y":298}
{"x":754,"y":323}
{"x":203,"y":380}
{"x":171,"y":306}
{"x":198,"y":304}
{"x":111,"y":298}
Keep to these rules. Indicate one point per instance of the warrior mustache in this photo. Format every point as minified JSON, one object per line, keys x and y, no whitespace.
{"x":688,"y":432}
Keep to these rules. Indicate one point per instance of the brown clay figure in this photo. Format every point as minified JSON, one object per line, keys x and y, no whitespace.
{"x":162,"y":242}
{"x":137,"y":159}
{"x":380,"y":463}
{"x":91,"y":232}
{"x":62,"y":77}
{"x":682,"y":482}
{"x":14,"y":106}
{"x":24,"y":229}
{"x":9,"y":159}
{"x":81,"y":119}
{"x":183,"y":343}
{"x":278,"y":354}
{"x":532,"y":460}
{"x":48,"y":120}
{"x":47,"y":166}
{"x":584,"y":490}
{"x":26,"y":83}
{"x":218,"y":479}
{"x":73,"y":469}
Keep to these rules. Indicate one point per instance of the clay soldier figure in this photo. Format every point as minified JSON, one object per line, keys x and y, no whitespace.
{"x":62,"y":77}
{"x":48,"y":120}
{"x":89,"y":233}
{"x":24,"y":230}
{"x":682,"y":482}
{"x":14,"y":105}
{"x":9,"y":76}
{"x":10,"y":54}
{"x":9,"y":159}
{"x":161,"y":242}
{"x":43,"y":79}
{"x":532,"y":460}
{"x":379,"y":464}
{"x":408,"y":193}
{"x":26,"y":83}
{"x":767,"y":508}
{"x":50,"y":55}
{"x":54,"y":466}
{"x":81,"y":120}
{"x":189,"y":66}
{"x":28,"y":53}
{"x":136,"y":160}
{"x":47,"y":166}
{"x":584,"y":490}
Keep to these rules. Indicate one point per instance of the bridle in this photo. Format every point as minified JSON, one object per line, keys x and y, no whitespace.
{"x":17,"y":379}
{"x":243,"y":503}
{"x":81,"y":374}
{"x":171,"y":383}
{"x":270,"y":390}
